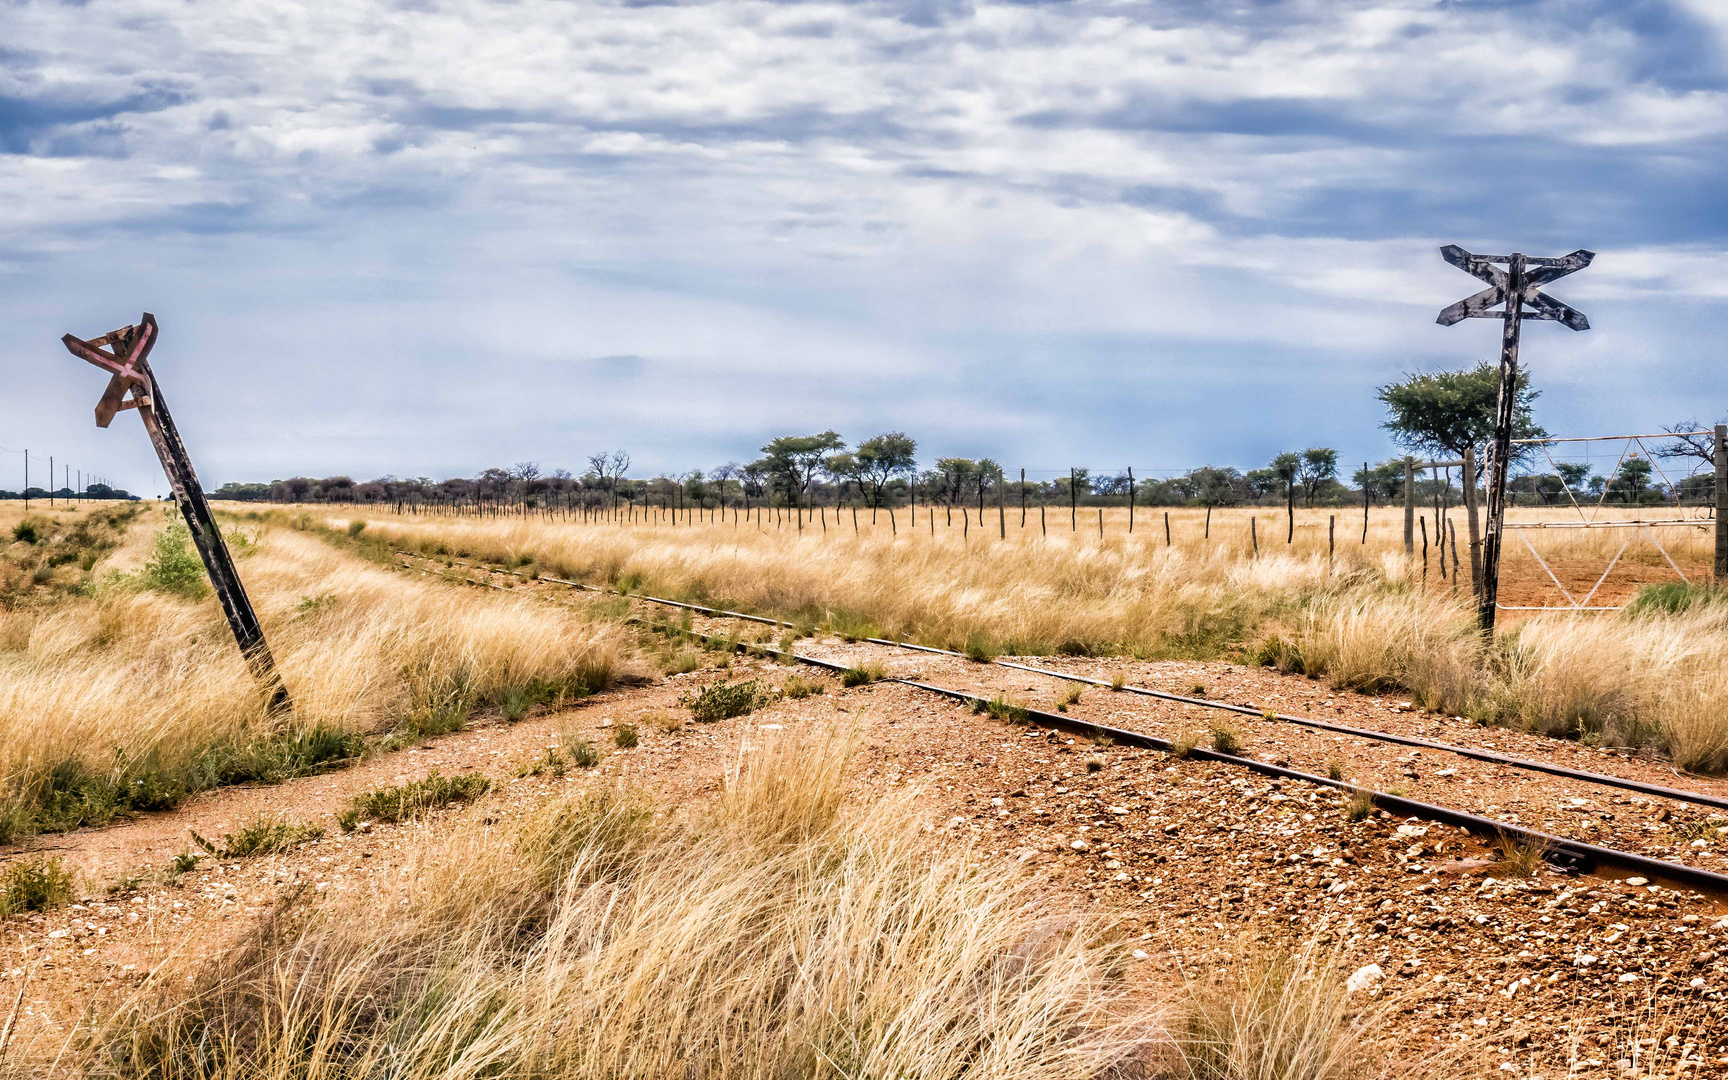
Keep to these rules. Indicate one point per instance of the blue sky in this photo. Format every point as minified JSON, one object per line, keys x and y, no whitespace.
{"x":427,"y":236}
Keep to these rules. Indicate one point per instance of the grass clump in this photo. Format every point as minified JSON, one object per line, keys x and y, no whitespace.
{"x":583,"y":753}
{"x":797,"y":687}
{"x":1520,"y":856}
{"x":389,"y":805}
{"x":172,"y":566}
{"x":625,"y":736}
{"x":265,"y":835}
{"x":1359,"y":806}
{"x":1226,"y":739}
{"x":979,"y":649}
{"x":1673,"y":598}
{"x":1001,"y":708}
{"x":723,"y":701}
{"x":1070,"y":695}
{"x":863,"y":674}
{"x":1274,"y":1015}
{"x":38,"y":884}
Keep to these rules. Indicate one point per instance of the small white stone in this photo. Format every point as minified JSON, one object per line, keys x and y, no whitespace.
{"x":1364,"y":978}
{"x":1628,"y":978}
{"x":1079,"y":845}
{"x":1637,"y":881}
{"x":1140,"y":954}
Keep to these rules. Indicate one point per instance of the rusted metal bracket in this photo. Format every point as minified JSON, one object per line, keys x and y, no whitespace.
{"x":132,"y":385}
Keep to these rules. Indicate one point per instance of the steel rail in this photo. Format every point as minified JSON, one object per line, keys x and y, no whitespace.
{"x":1488,"y":756}
{"x":1564,"y":852}
{"x":1611,"y":438}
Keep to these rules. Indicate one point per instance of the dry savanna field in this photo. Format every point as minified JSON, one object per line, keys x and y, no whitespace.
{"x":526,"y":830}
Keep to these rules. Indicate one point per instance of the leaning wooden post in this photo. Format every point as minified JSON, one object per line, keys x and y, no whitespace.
{"x":1721,"y":502}
{"x":128,"y":366}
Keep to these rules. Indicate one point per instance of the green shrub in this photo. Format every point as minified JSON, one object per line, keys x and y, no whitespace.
{"x":39,"y":884}
{"x":404,"y":801}
{"x":27,"y":531}
{"x":979,"y":649}
{"x":583,"y":753}
{"x":797,"y":687}
{"x":1674,"y":598}
{"x":355,"y":528}
{"x":722,"y":701}
{"x":862,"y":674}
{"x":265,"y":835}
{"x":173,"y":568}
{"x":624,"y":736}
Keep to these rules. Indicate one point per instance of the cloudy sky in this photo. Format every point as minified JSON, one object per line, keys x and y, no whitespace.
{"x":427,"y":236}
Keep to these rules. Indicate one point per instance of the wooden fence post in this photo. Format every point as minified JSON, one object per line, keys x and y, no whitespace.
{"x":130,"y":372}
{"x":1254,"y":533}
{"x":1073,"y":504}
{"x":1022,"y":498}
{"x":1331,"y":523}
{"x":1131,"y":501}
{"x":1367,"y":489}
{"x":1002,"y":508}
{"x":1166,"y":528}
{"x":1409,"y":506}
{"x":1721,"y":502}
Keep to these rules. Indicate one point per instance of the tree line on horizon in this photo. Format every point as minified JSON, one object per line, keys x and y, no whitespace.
{"x":1434,"y":415}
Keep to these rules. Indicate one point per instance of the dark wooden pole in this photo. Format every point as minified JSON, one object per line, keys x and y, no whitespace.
{"x":1500,"y":455}
{"x":1367,"y":489}
{"x":1131,"y":501}
{"x":1722,"y":502}
{"x":131,"y":372}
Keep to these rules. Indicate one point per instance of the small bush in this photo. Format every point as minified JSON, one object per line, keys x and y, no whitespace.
{"x":1119,"y":680}
{"x":40,"y":884}
{"x":1226,"y":739}
{"x":173,"y":568}
{"x":1673,"y":598}
{"x":1520,"y":858}
{"x":1000,"y":708}
{"x":722,"y":701}
{"x":681,"y":662}
{"x":1183,"y":745}
{"x":863,"y":674}
{"x":389,"y":805}
{"x":1096,"y":763}
{"x":797,"y":687}
{"x":979,"y":649}
{"x":1334,"y":769}
{"x":28,"y":531}
{"x":660,"y":720}
{"x":355,"y":528}
{"x":1197,"y":690}
{"x":266,"y":835}
{"x":625,"y":736}
{"x":582,"y":753}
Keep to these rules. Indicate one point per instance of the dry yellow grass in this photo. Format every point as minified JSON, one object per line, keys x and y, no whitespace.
{"x":1361,"y":615}
{"x":774,"y":932}
{"x":769,"y":936}
{"x":117,"y":696}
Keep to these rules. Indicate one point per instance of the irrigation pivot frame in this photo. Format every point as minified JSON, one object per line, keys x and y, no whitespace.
{"x":1515,"y":287}
{"x":132,"y":385}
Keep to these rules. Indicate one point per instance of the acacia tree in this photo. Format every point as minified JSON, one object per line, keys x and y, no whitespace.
{"x":610,"y":468}
{"x":1319,"y":465}
{"x":1439,"y":413}
{"x":881,"y":458}
{"x":796,"y":459}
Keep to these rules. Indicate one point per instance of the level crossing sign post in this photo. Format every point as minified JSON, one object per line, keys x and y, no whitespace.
{"x":132,"y":385}
{"x":1516,"y":289}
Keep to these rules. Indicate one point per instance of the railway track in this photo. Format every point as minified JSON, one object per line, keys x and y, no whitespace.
{"x":1563,"y":852}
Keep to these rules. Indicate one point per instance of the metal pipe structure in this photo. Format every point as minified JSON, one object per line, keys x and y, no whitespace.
{"x":1583,"y":776}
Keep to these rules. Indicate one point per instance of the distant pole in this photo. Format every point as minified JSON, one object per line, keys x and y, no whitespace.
{"x":1721,"y":502}
{"x":50,"y":479}
{"x":1331,"y":545}
{"x":1254,"y":533}
{"x":1367,"y":488}
{"x":1002,"y":507}
{"x":1290,"y":508}
{"x":1166,"y":528}
{"x":1073,"y":503}
{"x":1131,"y":501}
{"x":1208,"y":534}
{"x":1022,"y":498}
{"x":1409,"y":505}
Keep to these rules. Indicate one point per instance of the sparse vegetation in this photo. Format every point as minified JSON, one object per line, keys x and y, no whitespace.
{"x":1520,"y":857}
{"x":797,"y":687}
{"x":1226,"y":739}
{"x":265,"y":835}
{"x":39,"y":883}
{"x":388,"y":805}
{"x":625,"y":736}
{"x":722,"y":701}
{"x":863,"y":674}
{"x":1359,"y":806}
{"x":1069,"y":695}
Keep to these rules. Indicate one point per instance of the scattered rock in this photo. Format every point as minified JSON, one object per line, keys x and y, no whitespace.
{"x":1364,"y":978}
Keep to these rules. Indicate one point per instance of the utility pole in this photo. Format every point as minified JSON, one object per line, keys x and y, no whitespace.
{"x":1517,"y":288}
{"x":132,"y":385}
